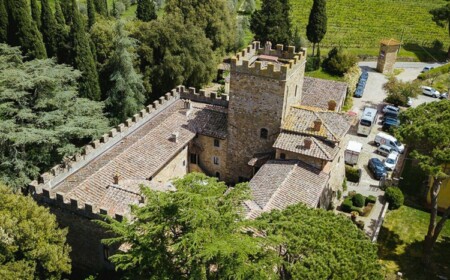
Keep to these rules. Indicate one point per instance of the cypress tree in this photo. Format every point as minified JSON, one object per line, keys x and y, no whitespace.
{"x":66,"y":8}
{"x":90,"y":12}
{"x":36,"y":13}
{"x":49,"y":29}
{"x":59,"y":16}
{"x":83,"y":59}
{"x":22,"y":31}
{"x":146,"y":10}
{"x":101,"y":6}
{"x":317,"y":24}
{"x":3,"y":22}
{"x":62,"y":32}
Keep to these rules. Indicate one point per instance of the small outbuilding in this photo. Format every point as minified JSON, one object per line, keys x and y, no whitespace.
{"x":352,"y":152}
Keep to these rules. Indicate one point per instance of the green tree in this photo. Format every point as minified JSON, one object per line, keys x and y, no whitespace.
{"x":426,"y":131}
{"x":101,"y":6}
{"x":66,"y":8}
{"x":36,"y":13}
{"x":317,"y":24}
{"x":90,"y":12}
{"x":126,"y":97}
{"x":49,"y":29}
{"x":339,"y":61}
{"x":62,"y":36}
{"x":272,"y":23}
{"x":59,"y":15}
{"x":83,"y":59}
{"x":146,"y":10}
{"x":441,"y":16}
{"x":195,"y":232}
{"x":3,"y":22}
{"x":317,"y":244}
{"x":398,"y":91}
{"x":41,"y":118}
{"x":22,"y":31}
{"x":32,"y":246}
{"x":297,"y":40}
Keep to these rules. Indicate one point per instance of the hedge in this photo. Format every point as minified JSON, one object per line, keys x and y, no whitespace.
{"x":347,"y":205}
{"x":359,"y":200}
{"x":395,"y":197}
{"x":371,"y":199}
{"x":352,"y":174}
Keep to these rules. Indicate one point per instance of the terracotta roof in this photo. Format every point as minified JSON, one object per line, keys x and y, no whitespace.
{"x":295,"y":143}
{"x":301,"y":120}
{"x":317,"y":92}
{"x":280,"y":183}
{"x":390,"y":42}
{"x":140,"y":156}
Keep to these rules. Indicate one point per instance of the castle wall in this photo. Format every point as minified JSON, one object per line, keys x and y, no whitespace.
{"x":205,"y":157}
{"x":176,"y":168}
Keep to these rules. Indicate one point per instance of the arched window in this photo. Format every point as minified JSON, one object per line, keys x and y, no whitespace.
{"x":264,"y":133}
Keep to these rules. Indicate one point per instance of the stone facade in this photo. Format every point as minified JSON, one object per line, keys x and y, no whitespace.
{"x":264,"y":84}
{"x":177,"y":167}
{"x":388,"y":55}
{"x":208,"y":155}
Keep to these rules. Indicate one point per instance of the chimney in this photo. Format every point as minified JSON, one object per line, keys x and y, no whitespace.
{"x":187,"y":104}
{"x":116,"y":179}
{"x":174,"y":137}
{"x":331,"y":105}
{"x":267,"y":48}
{"x":317,"y":124}
{"x":307,"y":143}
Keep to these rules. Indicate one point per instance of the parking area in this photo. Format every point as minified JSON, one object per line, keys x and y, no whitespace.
{"x":374,"y":96}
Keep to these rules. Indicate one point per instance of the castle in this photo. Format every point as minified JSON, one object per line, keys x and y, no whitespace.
{"x":277,"y":129}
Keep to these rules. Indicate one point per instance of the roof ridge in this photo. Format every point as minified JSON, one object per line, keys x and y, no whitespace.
{"x":325,"y":125}
{"x":321,"y":148}
{"x":269,"y":202}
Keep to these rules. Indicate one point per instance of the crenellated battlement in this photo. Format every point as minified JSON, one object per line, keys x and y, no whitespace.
{"x":267,"y":62}
{"x":202,"y":96}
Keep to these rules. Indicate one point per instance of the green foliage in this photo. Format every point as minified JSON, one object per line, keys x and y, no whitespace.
{"x":22,"y":31}
{"x":371,"y":199}
{"x":317,"y":23}
{"x":41,"y":118}
{"x":317,"y":244}
{"x":90,"y":12}
{"x":83,"y":59}
{"x":339,"y":194}
{"x":66,"y":8}
{"x":359,"y":200}
{"x":36,"y":13}
{"x":146,"y":10}
{"x":440,"y":70}
{"x":59,"y":15}
{"x":62,"y":36}
{"x":3,"y":22}
{"x":272,"y":22}
{"x":297,"y":40}
{"x":339,"y":61}
{"x":398,"y":91}
{"x":313,"y":63}
{"x":101,"y":6}
{"x":126,"y":96}
{"x":49,"y":29}
{"x":395,"y":197}
{"x":441,"y":16}
{"x":347,"y":204}
{"x":344,"y":185}
{"x":32,"y":245}
{"x":352,"y":174}
{"x":357,"y":209}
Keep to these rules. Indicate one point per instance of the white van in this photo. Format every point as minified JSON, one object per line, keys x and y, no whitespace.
{"x":389,"y":140}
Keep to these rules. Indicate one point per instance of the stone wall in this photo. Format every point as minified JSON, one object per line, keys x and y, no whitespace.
{"x":387,"y":58}
{"x":317,"y":163}
{"x":204,"y":147}
{"x":175,"y":168}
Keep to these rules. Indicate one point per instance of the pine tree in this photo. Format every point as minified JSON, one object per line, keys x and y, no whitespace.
{"x":146,"y":10}
{"x":272,"y":23}
{"x":3,"y":22}
{"x":48,"y":29}
{"x":91,"y":13}
{"x":317,"y":24}
{"x":36,"y":13}
{"x":83,"y":59}
{"x":22,"y":31}
{"x":101,"y":6}
{"x":126,"y":95}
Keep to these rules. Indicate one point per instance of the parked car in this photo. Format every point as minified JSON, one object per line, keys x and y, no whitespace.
{"x":430,"y":91}
{"x":384,"y":150}
{"x":377,"y":167}
{"x":390,"y":114}
{"x":389,"y":123}
{"x":391,"y":161}
{"x":391,"y":108}
{"x":443,"y":95}
{"x":389,"y":140}
{"x":426,"y":69}
{"x":361,"y":84}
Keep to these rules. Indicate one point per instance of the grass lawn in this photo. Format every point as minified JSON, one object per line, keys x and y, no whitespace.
{"x":323,"y":75}
{"x":400,"y":245}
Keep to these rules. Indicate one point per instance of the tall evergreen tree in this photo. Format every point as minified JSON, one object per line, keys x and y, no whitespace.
{"x":22,"y":31}
{"x":3,"y":22}
{"x":36,"y":13}
{"x":62,"y":34}
{"x":317,"y":24}
{"x":101,"y":6}
{"x":59,"y":15}
{"x":66,"y":8}
{"x":146,"y":10}
{"x":48,"y":29}
{"x":126,"y":95}
{"x":82,"y":57}
{"x":272,"y":22}
{"x":90,"y":13}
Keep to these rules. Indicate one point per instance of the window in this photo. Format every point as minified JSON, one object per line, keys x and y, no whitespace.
{"x":282,"y":156}
{"x":264,"y":133}
{"x":296,"y":87}
{"x":218,"y":175}
{"x":193,"y":158}
{"x":216,"y":143}
{"x":184,"y":163}
{"x":216,"y":160}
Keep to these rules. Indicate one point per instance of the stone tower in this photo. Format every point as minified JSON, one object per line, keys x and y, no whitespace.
{"x":264,"y":84}
{"x":388,"y":54}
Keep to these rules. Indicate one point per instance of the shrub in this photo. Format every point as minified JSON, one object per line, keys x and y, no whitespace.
{"x":371,"y":199}
{"x":347,"y":205}
{"x":359,"y":200}
{"x":339,"y":194}
{"x":344,"y":185}
{"x":339,"y":61}
{"x":395,"y":197}
{"x":312,"y":63}
{"x":352,"y":174}
{"x":438,"y":70}
{"x":352,"y":193}
{"x":357,"y":209}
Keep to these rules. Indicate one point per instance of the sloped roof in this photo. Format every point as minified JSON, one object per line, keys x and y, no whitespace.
{"x":280,"y":183}
{"x":317,"y":92}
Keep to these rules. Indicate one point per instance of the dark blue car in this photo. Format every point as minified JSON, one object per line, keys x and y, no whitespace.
{"x":377,"y":167}
{"x":389,"y":122}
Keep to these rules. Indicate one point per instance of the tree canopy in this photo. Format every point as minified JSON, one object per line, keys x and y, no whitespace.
{"x":317,"y":24}
{"x":198,"y":232}
{"x":32,"y":246}
{"x":399,"y":91}
{"x":426,"y":131}
{"x":41,"y":117}
{"x":146,"y":10}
